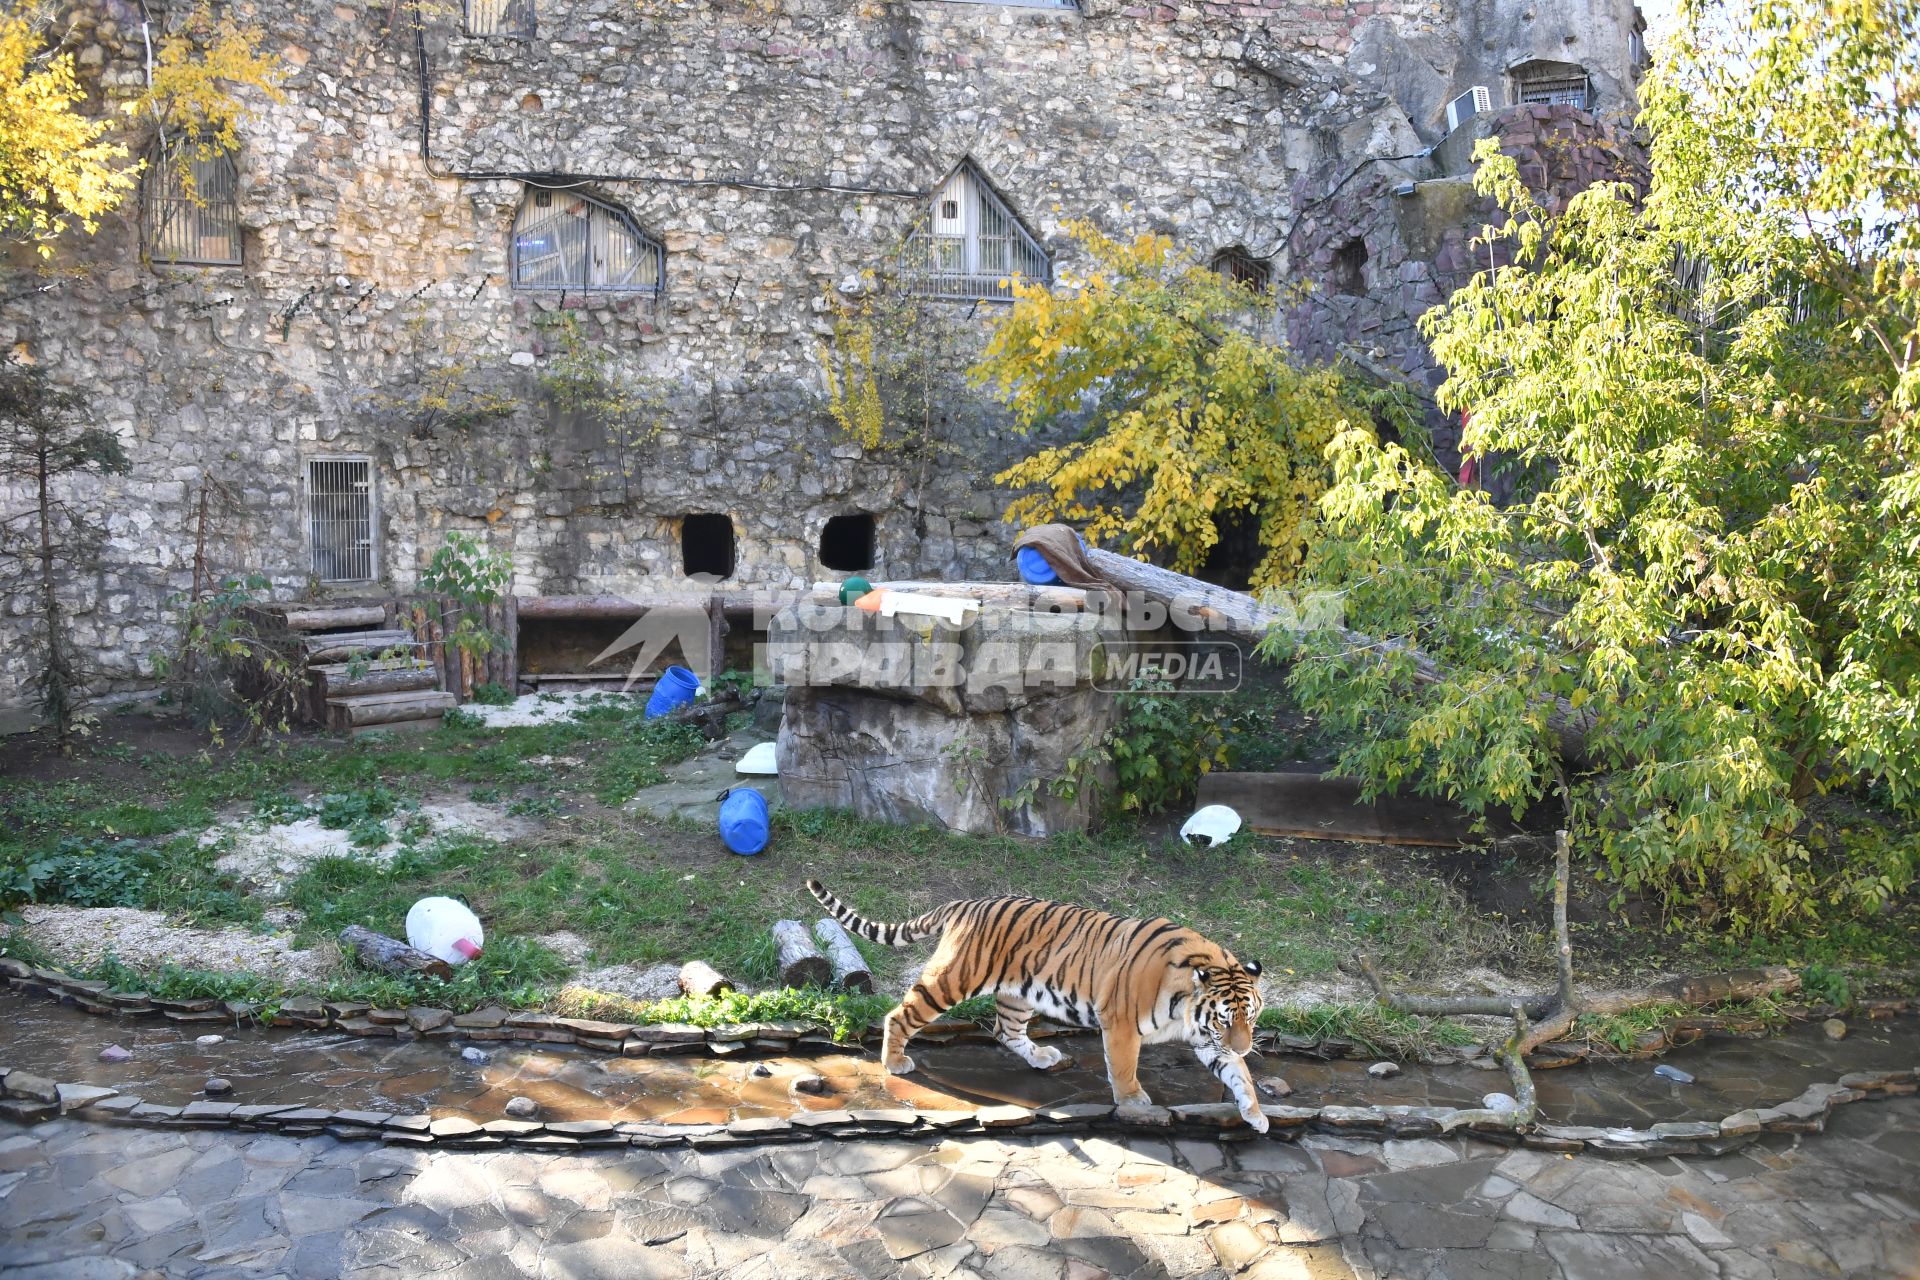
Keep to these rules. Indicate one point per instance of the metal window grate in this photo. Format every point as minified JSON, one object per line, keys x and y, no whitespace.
{"x":564,"y":240}
{"x":969,"y":244}
{"x":1237,"y":266}
{"x":499,"y":17}
{"x":1568,"y":91}
{"x":340,"y":518}
{"x":197,"y":222}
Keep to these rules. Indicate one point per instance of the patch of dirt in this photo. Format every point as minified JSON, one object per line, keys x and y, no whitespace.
{"x":111,"y":755}
{"x":268,"y":858}
{"x":145,"y":940}
{"x":656,"y":982}
{"x":570,"y":947}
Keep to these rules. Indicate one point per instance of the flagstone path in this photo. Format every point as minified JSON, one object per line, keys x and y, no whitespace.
{"x":86,"y":1202}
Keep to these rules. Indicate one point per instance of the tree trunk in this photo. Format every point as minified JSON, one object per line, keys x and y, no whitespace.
{"x":389,"y":955}
{"x":850,"y":972}
{"x":1201,"y":605}
{"x":56,"y":681}
{"x":801,"y":965}
{"x":698,"y":978}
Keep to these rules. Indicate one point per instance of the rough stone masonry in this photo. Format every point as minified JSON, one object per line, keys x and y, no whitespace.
{"x":773,"y":150}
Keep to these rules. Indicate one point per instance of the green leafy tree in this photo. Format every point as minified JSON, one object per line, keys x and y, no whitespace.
{"x":467,"y":576}
{"x":45,"y":440}
{"x":1703,"y":613}
{"x":1184,"y":415}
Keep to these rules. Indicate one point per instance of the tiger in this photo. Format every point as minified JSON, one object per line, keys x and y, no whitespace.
{"x":1138,"y":981}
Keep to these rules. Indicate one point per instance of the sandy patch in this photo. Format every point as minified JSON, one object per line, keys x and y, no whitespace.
{"x":269,"y":857}
{"x":656,"y":982}
{"x":570,"y":947}
{"x":540,"y":708}
{"x":144,"y":939}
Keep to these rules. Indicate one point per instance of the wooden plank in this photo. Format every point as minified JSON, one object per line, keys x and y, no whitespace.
{"x":510,"y":650}
{"x":1014,"y":595}
{"x":716,"y":641}
{"x":1307,"y":806}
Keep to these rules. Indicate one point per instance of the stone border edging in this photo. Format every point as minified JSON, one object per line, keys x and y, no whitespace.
{"x":29,"y":1098}
{"x":635,"y":1040}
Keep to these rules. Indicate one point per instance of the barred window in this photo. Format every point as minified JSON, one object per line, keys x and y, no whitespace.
{"x":340,"y":518}
{"x":1552,"y":83}
{"x":970,"y":245}
{"x":500,"y":18}
{"x":1237,"y":266}
{"x":565,"y":240}
{"x":190,"y":205}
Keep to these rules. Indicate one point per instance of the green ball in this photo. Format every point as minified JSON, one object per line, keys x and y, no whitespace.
{"x":853,"y":588}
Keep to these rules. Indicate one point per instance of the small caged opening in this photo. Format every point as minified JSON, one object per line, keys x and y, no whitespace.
{"x":707,"y":545}
{"x":1350,"y":268}
{"x":847,"y":543}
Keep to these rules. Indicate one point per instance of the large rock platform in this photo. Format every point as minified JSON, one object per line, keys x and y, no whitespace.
{"x":992,"y":726}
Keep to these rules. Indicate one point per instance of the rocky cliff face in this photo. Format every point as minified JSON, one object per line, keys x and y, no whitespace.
{"x":774,"y":150}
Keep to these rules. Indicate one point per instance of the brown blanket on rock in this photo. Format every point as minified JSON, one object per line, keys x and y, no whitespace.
{"x":1061,"y":546}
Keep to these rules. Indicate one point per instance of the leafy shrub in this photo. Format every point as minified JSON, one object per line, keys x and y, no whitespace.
{"x":83,"y":873}
{"x":1163,"y":743}
{"x":493,"y":695}
{"x":361,"y":814}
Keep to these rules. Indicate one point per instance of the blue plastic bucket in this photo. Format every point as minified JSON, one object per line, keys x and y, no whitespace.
{"x":743,"y":820}
{"x":678,"y":685}
{"x":1034,"y":567}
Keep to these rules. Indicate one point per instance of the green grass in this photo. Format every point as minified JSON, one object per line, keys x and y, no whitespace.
{"x":1374,"y":1027}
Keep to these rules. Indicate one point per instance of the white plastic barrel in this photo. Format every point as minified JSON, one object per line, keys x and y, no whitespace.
{"x":445,"y":929}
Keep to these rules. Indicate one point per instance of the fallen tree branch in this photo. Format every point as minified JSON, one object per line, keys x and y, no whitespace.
{"x":1526,"y":1099}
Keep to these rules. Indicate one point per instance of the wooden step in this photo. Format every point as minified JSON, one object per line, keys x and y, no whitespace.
{"x":345,"y":644}
{"x":388,"y":675}
{"x":334,"y":617}
{"x":359,"y":710}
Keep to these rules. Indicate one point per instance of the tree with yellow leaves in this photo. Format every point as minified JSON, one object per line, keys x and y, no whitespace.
{"x":62,"y":167}
{"x":1186,"y":415}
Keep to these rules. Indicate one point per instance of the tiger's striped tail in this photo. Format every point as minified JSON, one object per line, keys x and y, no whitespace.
{"x":888,"y":935}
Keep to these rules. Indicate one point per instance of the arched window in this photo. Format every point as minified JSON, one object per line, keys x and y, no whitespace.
{"x":569,"y":241}
{"x":1237,"y":266}
{"x":190,"y":205}
{"x":969,"y":244}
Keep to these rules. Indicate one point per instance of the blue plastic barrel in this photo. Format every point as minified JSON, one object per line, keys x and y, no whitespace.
{"x":1034,"y":567}
{"x":678,"y":685}
{"x":743,"y":820}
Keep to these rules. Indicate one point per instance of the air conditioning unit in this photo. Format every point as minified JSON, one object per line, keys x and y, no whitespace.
{"x":1467,"y":105}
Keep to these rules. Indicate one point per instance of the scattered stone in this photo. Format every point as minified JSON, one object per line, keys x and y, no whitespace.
{"x":1384,"y":1070}
{"x":761,"y":1070}
{"x":816,"y":1085}
{"x":207,"y":1042}
{"x":1834,"y":1029}
{"x":1273,"y":1087}
{"x":1674,"y":1074}
{"x":217,"y":1085}
{"x":1500,"y":1102}
{"x":115,"y":1053}
{"x":478,"y":1057}
{"x":522,"y":1108}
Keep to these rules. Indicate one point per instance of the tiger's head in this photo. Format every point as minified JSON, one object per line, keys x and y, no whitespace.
{"x":1226,"y":1003}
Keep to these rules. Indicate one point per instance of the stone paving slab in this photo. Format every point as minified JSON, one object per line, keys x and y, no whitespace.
{"x":80,"y":1202}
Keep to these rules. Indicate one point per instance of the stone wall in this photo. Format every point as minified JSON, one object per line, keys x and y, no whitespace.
{"x":777,"y":148}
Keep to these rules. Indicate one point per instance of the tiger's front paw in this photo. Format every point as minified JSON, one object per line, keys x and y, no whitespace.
{"x":1046,"y":1058}
{"x":1138,"y":1098}
{"x":1256,"y":1121}
{"x":901,"y":1066}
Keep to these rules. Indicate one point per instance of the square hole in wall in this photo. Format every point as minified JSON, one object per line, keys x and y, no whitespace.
{"x":846,"y":544}
{"x":706,"y":545}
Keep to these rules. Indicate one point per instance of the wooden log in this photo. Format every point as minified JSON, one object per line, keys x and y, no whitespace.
{"x":390,"y":955}
{"x":801,"y":964}
{"x":389,"y":675}
{"x":1198,"y":604}
{"x":850,"y":972}
{"x":698,"y":978}
{"x":325,"y":649}
{"x":510,"y":646}
{"x":333,"y":617}
{"x":1016,"y":595}
{"x":716,"y":641}
{"x":380,"y":708}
